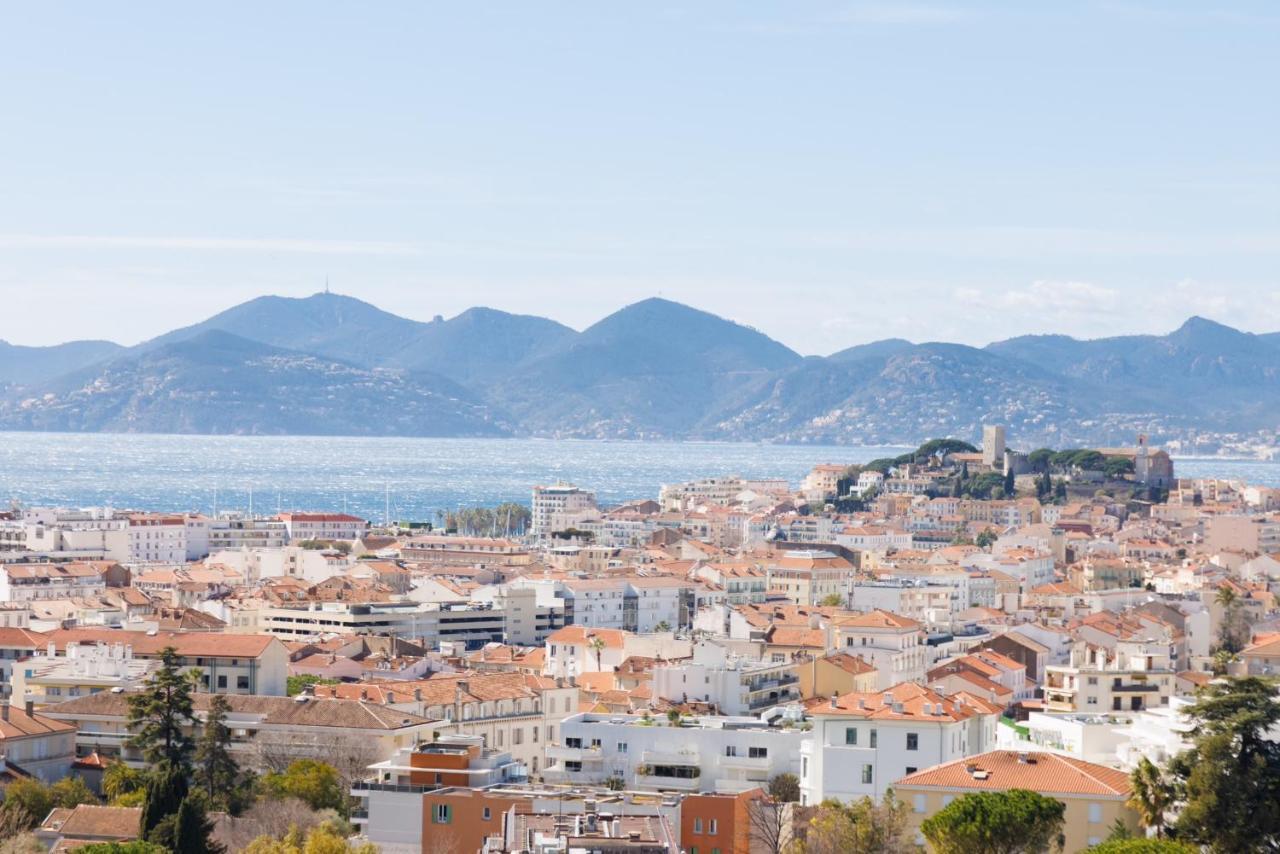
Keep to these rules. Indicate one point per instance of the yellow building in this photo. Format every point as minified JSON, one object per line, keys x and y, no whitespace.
{"x":1094,"y":794}
{"x":837,"y":673}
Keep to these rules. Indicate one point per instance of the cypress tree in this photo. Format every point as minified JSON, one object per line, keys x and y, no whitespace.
{"x":166,"y":789}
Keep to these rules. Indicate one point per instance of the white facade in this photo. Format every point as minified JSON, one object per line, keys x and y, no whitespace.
{"x":707,"y":754}
{"x":557,"y":507}
{"x":157,"y":539}
{"x":323,"y":526}
{"x":736,"y":685}
{"x":856,"y":752}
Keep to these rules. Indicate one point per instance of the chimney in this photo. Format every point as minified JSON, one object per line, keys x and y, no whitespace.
{"x":835,"y":703}
{"x":4,"y":710}
{"x":31,"y":707}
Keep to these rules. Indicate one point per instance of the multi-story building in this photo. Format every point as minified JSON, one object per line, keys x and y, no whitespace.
{"x":228,"y":663}
{"x":513,"y":712}
{"x":1095,"y":795}
{"x":48,"y":679}
{"x":323,"y":526}
{"x":444,"y":550}
{"x":736,"y":686}
{"x":264,"y":730}
{"x":700,"y":755}
{"x":27,"y":582}
{"x":39,"y":745}
{"x":892,"y":643}
{"x":558,"y":507}
{"x":209,"y":535}
{"x":574,"y":650}
{"x":156,"y":538}
{"x":863,"y":743}
{"x":808,"y":576}
{"x":1097,"y":679}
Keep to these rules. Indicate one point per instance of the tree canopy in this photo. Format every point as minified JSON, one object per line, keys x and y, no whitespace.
{"x":160,"y":713}
{"x":1016,"y":821}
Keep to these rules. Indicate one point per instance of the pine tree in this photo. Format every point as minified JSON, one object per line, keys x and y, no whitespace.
{"x":193,"y":831}
{"x":165,"y":792}
{"x":216,"y":772}
{"x":160,"y":713}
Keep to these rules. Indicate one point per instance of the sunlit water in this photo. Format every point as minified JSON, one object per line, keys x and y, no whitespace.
{"x":420,"y":475}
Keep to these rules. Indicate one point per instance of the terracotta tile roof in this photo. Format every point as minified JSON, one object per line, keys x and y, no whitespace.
{"x":613,"y":638}
{"x":1047,"y":773}
{"x":796,"y":636}
{"x":878,"y":619}
{"x":854,"y":664}
{"x":93,"y":822}
{"x":203,"y":644}
{"x":441,"y":690}
{"x":22,"y":725}
{"x":11,"y":638}
{"x":286,"y":711}
{"x":909,"y":698}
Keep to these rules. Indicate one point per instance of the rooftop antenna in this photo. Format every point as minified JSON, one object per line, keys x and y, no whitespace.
{"x":326,"y":283}
{"x":386,"y":505}
{"x":251,"y":502}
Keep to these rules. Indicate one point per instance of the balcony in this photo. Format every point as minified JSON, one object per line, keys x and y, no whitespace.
{"x":656,"y":781}
{"x":573,"y":754}
{"x":688,"y":758}
{"x":746,"y":763}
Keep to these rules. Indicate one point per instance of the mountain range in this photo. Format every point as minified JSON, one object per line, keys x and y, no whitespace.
{"x":331,"y":364}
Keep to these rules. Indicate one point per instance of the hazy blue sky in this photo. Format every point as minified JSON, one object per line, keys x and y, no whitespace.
{"x":828,"y":172}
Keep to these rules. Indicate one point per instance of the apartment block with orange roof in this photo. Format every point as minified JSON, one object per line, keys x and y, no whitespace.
{"x":892,"y":643}
{"x":863,"y":743}
{"x":1094,"y":795}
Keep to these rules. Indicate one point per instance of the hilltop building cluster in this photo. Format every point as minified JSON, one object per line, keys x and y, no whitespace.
{"x":636,"y":677}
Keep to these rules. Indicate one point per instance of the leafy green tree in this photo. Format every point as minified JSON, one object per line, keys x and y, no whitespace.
{"x":1141,"y":846}
{"x":934,"y":447}
{"x":859,"y":827}
{"x":315,"y":783}
{"x":119,"y":780}
{"x":785,"y":788}
{"x":1039,"y":459}
{"x":216,"y":772}
{"x":663,"y":626}
{"x":70,"y":792}
{"x":160,"y":714}
{"x":135,"y":847}
{"x":193,"y":831}
{"x":833,"y":600}
{"x":1150,"y":795}
{"x":26,"y":803}
{"x":1016,"y":821}
{"x":297,"y":684}
{"x":165,"y":791}
{"x":985,"y":538}
{"x":1229,"y":780}
{"x":1116,"y":468}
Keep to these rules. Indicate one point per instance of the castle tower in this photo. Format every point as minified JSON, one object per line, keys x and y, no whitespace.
{"x":993,"y":446}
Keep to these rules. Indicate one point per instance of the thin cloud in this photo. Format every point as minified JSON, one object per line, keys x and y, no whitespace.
{"x":207,"y":244}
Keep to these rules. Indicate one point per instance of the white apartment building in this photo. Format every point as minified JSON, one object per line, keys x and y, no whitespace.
{"x":157,"y":538}
{"x":256,"y":564}
{"x":863,"y":743}
{"x":323,"y":526}
{"x":29,"y":582}
{"x":85,"y":669}
{"x":737,"y":685}
{"x":1096,"y":679}
{"x":557,"y":507}
{"x":575,"y":650}
{"x":207,"y":535}
{"x":892,"y":643}
{"x":922,"y":599}
{"x":724,"y":490}
{"x":706,"y":754}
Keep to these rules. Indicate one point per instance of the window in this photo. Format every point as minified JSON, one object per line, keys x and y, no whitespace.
{"x":804,"y":766}
{"x":918,"y":804}
{"x":731,"y":750}
{"x":913,"y":741}
{"x":866,"y":775}
{"x":535,"y":734}
{"x":441,"y":814}
{"x":697,"y":825}
{"x":242,"y":683}
{"x":851,"y":735}
{"x":572,"y":766}
{"x":622,"y":747}
{"x":1095,"y":813}
{"x":222,"y":681}
{"x":485,"y":816}
{"x":758,"y":752}
{"x":873,"y":739}
{"x":711,"y":829}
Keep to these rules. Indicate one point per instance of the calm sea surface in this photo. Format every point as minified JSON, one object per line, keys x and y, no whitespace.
{"x":420,"y":475}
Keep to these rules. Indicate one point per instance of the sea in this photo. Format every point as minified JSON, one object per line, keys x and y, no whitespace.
{"x":407,"y":478}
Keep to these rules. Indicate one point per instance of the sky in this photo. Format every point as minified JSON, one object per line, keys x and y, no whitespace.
{"x":830,"y":173}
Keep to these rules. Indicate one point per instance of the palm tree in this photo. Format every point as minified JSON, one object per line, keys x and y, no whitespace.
{"x":1225,"y":596}
{"x":1151,"y":795}
{"x":597,"y":646}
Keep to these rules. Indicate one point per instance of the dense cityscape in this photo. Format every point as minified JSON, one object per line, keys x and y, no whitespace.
{"x":732,"y":665}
